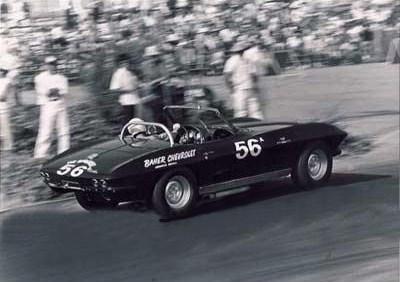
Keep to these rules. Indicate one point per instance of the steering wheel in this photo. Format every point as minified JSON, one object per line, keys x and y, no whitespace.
{"x":191,"y":134}
{"x":195,"y":135}
{"x":139,"y":133}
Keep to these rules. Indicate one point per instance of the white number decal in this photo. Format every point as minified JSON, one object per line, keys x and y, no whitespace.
{"x":252,"y":146}
{"x":78,"y":170}
{"x":241,"y":150}
{"x":65,"y":169}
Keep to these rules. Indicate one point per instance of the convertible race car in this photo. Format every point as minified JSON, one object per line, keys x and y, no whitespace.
{"x":197,"y":154}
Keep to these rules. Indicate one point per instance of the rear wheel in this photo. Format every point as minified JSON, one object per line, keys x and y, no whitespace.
{"x":175,"y":194}
{"x":313,"y":167}
{"x":86,"y":202}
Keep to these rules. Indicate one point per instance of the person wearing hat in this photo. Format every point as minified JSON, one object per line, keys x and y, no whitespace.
{"x":51,"y":88}
{"x":10,"y":61}
{"x":9,"y":65}
{"x":6,"y":140}
{"x":241,"y":78}
{"x":256,"y":57}
{"x":125,"y":83}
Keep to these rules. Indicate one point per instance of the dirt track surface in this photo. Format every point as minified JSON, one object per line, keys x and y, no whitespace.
{"x":348,"y":230}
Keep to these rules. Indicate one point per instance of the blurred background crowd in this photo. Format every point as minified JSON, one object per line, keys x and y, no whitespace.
{"x":195,"y":34}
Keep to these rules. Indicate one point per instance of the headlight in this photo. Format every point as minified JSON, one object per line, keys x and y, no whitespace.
{"x":45,"y":175}
{"x":103,"y":183}
{"x":100,"y":183}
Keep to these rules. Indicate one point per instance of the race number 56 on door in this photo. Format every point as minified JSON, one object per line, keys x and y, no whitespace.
{"x":251,"y":146}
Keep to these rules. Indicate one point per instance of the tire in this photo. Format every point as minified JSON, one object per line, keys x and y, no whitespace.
{"x":175,"y":194}
{"x":87,"y":203}
{"x":313,"y":167}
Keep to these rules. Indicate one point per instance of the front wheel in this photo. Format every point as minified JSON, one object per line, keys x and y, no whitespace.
{"x":86,"y":202}
{"x":313,"y":167}
{"x":175,"y":194}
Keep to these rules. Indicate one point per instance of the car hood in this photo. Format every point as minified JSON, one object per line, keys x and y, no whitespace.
{"x":103,"y":157}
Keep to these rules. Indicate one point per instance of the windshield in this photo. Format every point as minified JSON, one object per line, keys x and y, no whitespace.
{"x":137,"y":132}
{"x":205,"y":117}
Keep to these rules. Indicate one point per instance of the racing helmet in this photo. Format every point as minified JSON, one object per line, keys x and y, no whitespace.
{"x":135,"y":128}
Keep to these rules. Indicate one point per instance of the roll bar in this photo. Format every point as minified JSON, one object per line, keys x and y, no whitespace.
{"x":163,"y":127}
{"x":200,"y":108}
{"x":192,"y":107}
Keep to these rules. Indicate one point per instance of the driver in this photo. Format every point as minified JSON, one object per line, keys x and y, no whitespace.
{"x":136,"y":128}
{"x":147,"y":132}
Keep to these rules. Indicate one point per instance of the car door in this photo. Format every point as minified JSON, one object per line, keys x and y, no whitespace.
{"x":234,"y":157}
{"x":217,"y":162}
{"x":249,"y":156}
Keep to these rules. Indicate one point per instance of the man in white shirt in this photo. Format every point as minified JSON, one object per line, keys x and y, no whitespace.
{"x":126,"y":84}
{"x":255,"y":56}
{"x":6,"y":140}
{"x":241,"y":78}
{"x":9,"y":65}
{"x":51,"y":88}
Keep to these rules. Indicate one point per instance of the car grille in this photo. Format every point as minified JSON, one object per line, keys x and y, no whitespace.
{"x":71,"y":184}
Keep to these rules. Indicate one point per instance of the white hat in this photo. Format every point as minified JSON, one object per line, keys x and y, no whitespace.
{"x":202,"y":30}
{"x":151,"y":51}
{"x":172,"y":38}
{"x":183,"y":43}
{"x":50,"y":59}
{"x":239,"y":46}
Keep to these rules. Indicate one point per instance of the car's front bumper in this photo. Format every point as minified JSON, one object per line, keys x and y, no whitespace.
{"x":72,"y":186}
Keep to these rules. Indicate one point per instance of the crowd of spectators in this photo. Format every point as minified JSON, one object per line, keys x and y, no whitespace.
{"x":199,"y":34}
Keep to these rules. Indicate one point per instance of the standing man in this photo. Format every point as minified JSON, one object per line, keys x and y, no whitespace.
{"x":241,"y":79}
{"x":9,"y":65}
{"x":255,"y":56}
{"x":51,"y":88}
{"x":125,"y":83}
{"x":6,"y":139}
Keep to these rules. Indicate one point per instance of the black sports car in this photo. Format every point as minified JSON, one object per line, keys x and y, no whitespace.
{"x":198,"y":154}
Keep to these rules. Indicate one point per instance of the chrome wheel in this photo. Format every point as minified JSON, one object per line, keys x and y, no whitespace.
{"x":177,"y":192}
{"x":317,"y":164}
